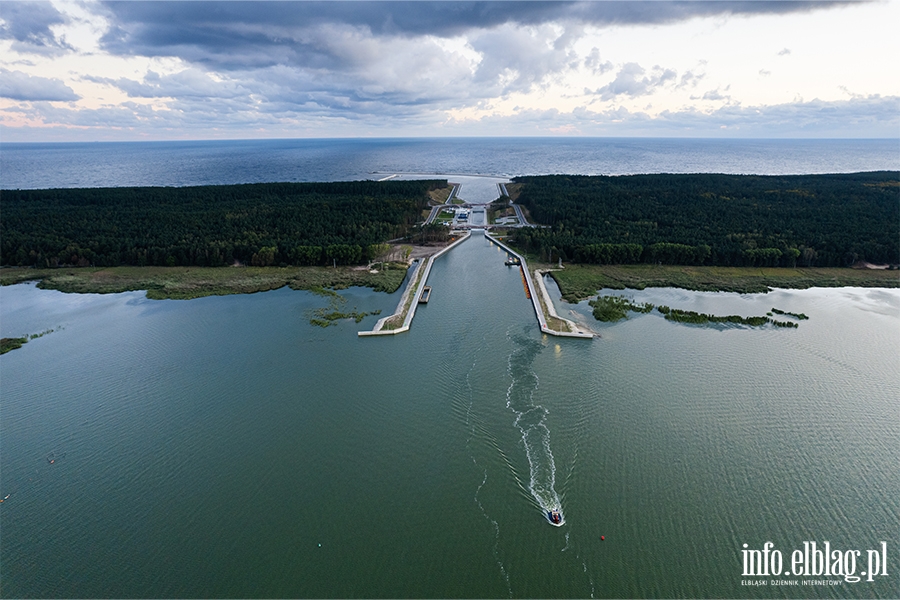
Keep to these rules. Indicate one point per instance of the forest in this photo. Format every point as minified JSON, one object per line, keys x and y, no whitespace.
{"x":708,"y":219}
{"x":253,"y":224}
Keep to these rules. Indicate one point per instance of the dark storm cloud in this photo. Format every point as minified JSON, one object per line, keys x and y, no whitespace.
{"x":20,"y":86}
{"x":383,"y":56}
{"x":254,"y":34}
{"x":28,"y":25}
{"x":339,"y":68}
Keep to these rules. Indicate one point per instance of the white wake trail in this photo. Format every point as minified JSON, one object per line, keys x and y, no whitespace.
{"x":531,"y":422}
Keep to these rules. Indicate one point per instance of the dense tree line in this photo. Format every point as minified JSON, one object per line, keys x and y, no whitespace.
{"x":738,"y":220}
{"x":429,"y":233}
{"x":259,"y":224}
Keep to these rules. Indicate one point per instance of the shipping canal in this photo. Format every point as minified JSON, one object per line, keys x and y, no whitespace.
{"x":226,"y":447}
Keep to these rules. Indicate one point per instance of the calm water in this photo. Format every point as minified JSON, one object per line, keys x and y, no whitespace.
{"x":224,"y":447}
{"x":47,"y":165}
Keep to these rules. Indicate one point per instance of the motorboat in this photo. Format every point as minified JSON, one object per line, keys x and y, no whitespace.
{"x":555,"y":517}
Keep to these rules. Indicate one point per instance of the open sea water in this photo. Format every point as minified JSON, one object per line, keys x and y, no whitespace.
{"x":114,"y":164}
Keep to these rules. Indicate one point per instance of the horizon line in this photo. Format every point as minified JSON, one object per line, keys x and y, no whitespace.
{"x":452,"y":137}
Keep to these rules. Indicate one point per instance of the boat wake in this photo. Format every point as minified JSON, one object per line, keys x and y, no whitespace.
{"x":531,"y":422}
{"x":496,"y":548}
{"x":471,"y":426}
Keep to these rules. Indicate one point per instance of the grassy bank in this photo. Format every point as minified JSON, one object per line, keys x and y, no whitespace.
{"x":183,"y":283}
{"x":577,"y":282}
{"x":396,"y":321}
{"x":554,"y":323}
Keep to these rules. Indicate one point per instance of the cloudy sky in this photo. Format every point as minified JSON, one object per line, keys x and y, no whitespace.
{"x":89,"y":70}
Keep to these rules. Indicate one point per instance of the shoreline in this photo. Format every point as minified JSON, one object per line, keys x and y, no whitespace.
{"x":401,"y":319}
{"x":187,"y":283}
{"x":576,"y":281}
{"x":540,"y":299}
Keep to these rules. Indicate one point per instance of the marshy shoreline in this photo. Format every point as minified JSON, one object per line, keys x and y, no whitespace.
{"x":576,"y":282}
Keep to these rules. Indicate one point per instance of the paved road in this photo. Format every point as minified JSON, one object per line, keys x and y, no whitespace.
{"x":520,"y":215}
{"x":478,"y":204}
{"x":435,"y":210}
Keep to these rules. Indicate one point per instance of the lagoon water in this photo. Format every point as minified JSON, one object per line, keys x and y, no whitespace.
{"x":225,"y":447}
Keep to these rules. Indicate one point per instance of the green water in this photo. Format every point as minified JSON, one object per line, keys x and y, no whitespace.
{"x":224,"y":447}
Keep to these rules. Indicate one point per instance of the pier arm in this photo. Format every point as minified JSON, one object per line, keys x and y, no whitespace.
{"x":411,"y":294}
{"x":544,"y":297}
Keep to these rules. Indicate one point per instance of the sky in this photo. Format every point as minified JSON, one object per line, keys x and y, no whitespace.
{"x":90,"y":70}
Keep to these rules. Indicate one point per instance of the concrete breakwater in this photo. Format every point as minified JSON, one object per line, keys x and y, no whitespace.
{"x":539,"y":296}
{"x":411,"y":294}
{"x":536,"y":292}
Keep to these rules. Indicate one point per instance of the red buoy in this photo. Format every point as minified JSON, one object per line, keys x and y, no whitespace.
{"x":602,"y":537}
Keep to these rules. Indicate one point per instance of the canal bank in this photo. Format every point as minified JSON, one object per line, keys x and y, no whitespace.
{"x":541,"y":299}
{"x":401,"y":320}
{"x":406,"y":309}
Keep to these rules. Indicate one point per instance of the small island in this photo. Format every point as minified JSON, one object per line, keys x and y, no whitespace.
{"x":616,"y":308}
{"x":10,"y":344}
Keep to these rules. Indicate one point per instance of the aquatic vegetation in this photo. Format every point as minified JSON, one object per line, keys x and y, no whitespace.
{"x":321,"y":291}
{"x":323,"y":317}
{"x":783,"y":323}
{"x":8,"y":344}
{"x":330,"y":315}
{"x":800,"y":316}
{"x":610,"y":309}
{"x":616,"y":308}
{"x":695,"y":318}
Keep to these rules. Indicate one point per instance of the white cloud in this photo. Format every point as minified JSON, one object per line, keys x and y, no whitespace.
{"x":190,"y":83}
{"x":17,"y":85}
{"x":595,"y":64}
{"x":426,"y":68}
{"x":715,"y":95}
{"x":632,"y":81}
{"x":517,"y":58}
{"x":31,"y":28}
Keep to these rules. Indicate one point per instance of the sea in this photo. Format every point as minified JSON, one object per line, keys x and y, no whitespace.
{"x":116,"y":164}
{"x":227,"y":447}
